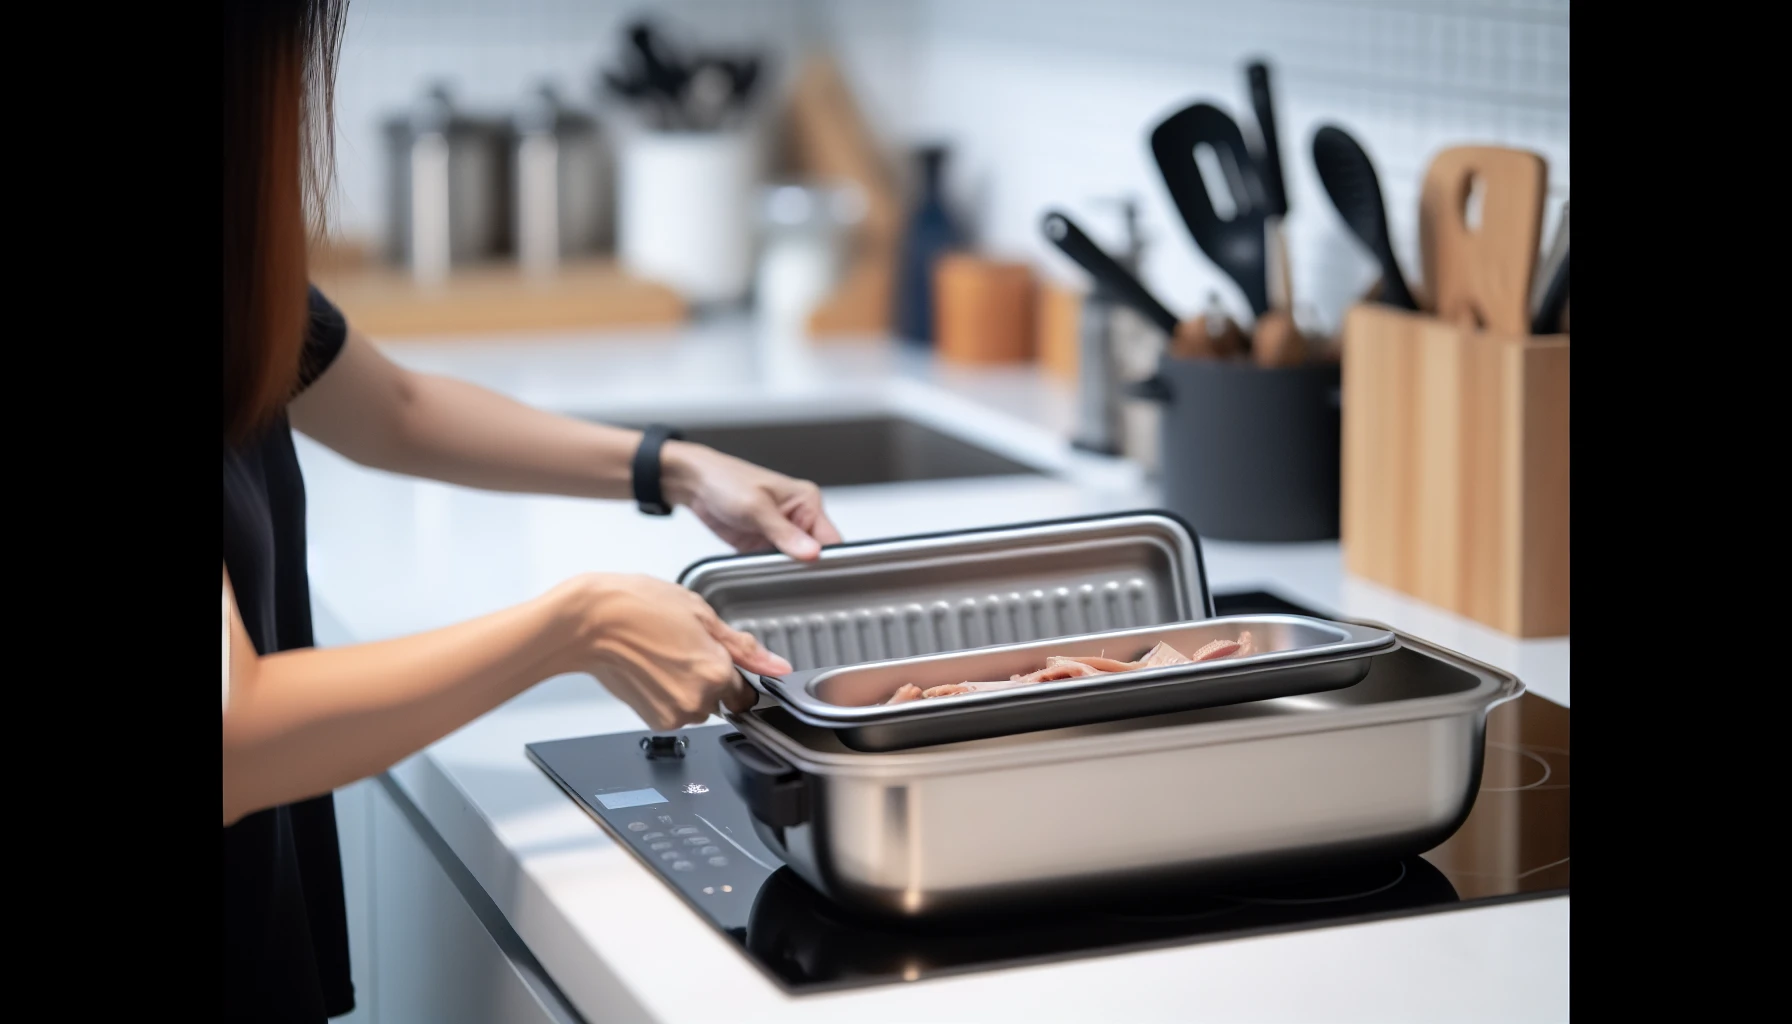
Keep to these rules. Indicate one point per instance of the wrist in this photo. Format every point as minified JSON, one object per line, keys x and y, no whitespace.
{"x":680,"y":470}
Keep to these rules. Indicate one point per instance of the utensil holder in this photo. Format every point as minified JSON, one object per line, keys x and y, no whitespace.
{"x":1248,"y":453}
{"x":1455,"y":483}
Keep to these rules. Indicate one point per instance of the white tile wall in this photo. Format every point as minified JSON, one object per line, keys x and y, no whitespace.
{"x":1048,"y":102}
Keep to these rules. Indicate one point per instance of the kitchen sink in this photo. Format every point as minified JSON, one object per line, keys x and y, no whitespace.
{"x":864,"y":450}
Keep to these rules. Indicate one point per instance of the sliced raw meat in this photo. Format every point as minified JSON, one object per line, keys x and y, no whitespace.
{"x":1217,"y":649}
{"x":1098,"y":664}
{"x":1162,"y":654}
{"x":1060,"y":667}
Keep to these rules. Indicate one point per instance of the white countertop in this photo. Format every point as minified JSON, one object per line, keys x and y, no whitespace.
{"x":391,"y":556}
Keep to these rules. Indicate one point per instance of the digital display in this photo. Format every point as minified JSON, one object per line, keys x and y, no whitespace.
{"x":630,"y":798}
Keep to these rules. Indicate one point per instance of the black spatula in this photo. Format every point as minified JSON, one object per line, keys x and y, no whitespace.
{"x":1235,"y":245}
{"x":1350,"y":180}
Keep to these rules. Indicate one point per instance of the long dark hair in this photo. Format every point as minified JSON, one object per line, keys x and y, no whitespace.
{"x":279,"y":78}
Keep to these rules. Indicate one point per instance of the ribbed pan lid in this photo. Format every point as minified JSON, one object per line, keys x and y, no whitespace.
{"x":935,"y":593}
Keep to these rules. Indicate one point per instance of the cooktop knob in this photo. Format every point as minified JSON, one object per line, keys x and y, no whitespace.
{"x":662,"y":746}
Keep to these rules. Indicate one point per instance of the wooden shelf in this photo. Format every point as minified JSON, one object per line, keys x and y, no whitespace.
{"x":385,"y":303}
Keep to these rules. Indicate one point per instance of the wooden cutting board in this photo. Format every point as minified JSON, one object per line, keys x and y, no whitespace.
{"x":387,"y":305}
{"x":1482,"y":277}
{"x":831,"y":141}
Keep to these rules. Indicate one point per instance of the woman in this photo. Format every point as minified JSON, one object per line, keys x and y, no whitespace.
{"x":300,"y":722}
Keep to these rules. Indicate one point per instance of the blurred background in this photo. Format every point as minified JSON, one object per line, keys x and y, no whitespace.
{"x":1040,"y":102}
{"x":1073,"y":212}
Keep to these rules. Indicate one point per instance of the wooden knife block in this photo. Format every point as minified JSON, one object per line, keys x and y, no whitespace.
{"x":1455,"y":467}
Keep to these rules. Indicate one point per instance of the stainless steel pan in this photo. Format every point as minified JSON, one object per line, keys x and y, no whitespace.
{"x":1388,"y":766}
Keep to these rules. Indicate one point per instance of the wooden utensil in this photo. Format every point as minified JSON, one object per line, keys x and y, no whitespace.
{"x":1275,"y":192}
{"x":1481,"y":276}
{"x":831,"y":141}
{"x":1207,"y":337}
{"x":1211,"y":335}
{"x":1277,"y":342}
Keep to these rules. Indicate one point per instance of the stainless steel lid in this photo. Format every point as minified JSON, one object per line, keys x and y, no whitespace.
{"x":905,"y":597}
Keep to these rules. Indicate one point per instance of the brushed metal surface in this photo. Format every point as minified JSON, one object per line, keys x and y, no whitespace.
{"x":857,"y":692}
{"x":852,"y":635}
{"x":914,"y":596}
{"x":1385,"y":767}
{"x":1297,"y":655}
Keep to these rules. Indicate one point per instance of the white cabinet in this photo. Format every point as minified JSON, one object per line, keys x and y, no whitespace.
{"x":428,"y":947}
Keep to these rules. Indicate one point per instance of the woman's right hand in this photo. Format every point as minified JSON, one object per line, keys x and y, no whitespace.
{"x":660,"y":648}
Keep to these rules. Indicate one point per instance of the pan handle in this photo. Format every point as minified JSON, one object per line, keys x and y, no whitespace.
{"x":776,"y":793}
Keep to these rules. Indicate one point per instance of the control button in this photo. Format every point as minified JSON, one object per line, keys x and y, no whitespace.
{"x":656,"y":747}
{"x":709,"y":851}
{"x":664,"y":844}
{"x":637,"y":826}
{"x":720,"y":862}
{"x":671,"y":855}
{"x":682,"y":830}
{"x":665,"y":819}
{"x":651,"y":836}
{"x":683,"y":865}
{"x":697,"y":841}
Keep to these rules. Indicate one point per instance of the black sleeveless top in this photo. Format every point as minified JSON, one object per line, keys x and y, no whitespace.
{"x":285,"y":927}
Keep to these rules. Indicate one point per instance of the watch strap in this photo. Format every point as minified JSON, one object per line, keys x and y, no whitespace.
{"x":645,"y":473}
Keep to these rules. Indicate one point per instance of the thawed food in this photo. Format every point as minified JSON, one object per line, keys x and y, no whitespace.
{"x":1057,"y":667}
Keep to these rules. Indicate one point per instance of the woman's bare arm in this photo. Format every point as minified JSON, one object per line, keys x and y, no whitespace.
{"x":301,"y":723}
{"x":380,"y":414}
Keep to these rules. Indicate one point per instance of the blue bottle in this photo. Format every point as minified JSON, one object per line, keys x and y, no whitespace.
{"x":931,"y":233}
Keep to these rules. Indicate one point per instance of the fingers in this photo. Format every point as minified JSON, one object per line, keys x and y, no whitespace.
{"x":741,"y":697}
{"x":785,"y":535}
{"x":804,"y":508}
{"x":824,"y":529}
{"x":747,"y":652}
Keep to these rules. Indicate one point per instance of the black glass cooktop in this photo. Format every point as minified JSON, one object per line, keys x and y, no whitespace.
{"x":682,"y":819}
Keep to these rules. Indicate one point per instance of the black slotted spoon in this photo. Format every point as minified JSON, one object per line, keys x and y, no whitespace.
{"x":1235,"y":245}
{"x":1350,"y":181}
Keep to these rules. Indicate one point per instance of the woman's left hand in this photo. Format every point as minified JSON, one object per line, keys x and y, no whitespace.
{"x":750,"y":507}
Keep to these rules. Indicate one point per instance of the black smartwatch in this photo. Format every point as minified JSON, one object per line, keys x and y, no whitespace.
{"x":646,"y":471}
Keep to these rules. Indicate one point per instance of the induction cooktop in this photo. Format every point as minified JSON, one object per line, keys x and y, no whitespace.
{"x":671,"y":806}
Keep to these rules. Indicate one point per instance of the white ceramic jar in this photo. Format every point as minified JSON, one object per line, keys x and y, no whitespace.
{"x":686,"y":211}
